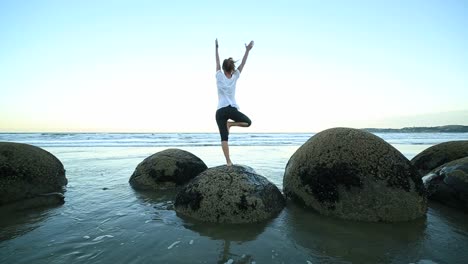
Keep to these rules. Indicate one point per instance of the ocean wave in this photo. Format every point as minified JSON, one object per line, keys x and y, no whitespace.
{"x":203,"y":139}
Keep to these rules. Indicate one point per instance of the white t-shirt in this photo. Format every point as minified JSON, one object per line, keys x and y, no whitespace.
{"x":227,"y":89}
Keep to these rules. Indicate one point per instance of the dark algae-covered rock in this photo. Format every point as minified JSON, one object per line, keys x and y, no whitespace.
{"x":440,"y":154}
{"x":235,"y":194}
{"x":448,"y":184}
{"x":166,"y":169}
{"x":27,"y":173}
{"x":353,"y":174}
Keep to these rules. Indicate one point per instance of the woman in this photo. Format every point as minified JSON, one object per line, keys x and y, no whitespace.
{"x":227,"y":106}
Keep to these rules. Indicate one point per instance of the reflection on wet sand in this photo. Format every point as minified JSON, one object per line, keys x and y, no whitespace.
{"x":228,"y":233}
{"x":19,"y":222}
{"x":357,"y":242}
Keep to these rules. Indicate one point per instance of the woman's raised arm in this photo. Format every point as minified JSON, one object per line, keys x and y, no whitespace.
{"x":244,"y":60}
{"x":218,"y":65}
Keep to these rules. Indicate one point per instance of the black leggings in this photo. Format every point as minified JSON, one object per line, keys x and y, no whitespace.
{"x":229,"y":112}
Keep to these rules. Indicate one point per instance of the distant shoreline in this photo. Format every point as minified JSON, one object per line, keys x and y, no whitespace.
{"x":436,"y":129}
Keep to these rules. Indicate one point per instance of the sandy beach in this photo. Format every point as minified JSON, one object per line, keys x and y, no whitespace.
{"x":104,"y":220}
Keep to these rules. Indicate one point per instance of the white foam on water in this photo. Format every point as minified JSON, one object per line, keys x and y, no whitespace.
{"x":426,"y":261}
{"x":202,"y":139}
{"x":308,"y":262}
{"x":105,"y":220}
{"x":147,"y":221}
{"x":86,"y":237}
{"x":102,"y":237}
{"x":173,"y":244}
{"x":191,"y":242}
{"x":230,"y":261}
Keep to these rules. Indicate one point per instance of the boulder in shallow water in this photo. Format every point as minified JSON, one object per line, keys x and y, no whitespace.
{"x":353,"y":174}
{"x":166,"y":169}
{"x":448,"y":184}
{"x":235,"y":194}
{"x":28,"y":172}
{"x":440,"y":154}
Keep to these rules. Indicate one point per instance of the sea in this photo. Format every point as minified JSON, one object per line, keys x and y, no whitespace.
{"x":104,"y":220}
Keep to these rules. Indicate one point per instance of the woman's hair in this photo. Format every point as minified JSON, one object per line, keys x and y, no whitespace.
{"x":229,"y":65}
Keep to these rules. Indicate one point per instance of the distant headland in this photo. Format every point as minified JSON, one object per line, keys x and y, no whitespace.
{"x":436,"y":129}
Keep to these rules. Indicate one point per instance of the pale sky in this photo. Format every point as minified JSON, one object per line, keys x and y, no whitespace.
{"x":149,"y":66}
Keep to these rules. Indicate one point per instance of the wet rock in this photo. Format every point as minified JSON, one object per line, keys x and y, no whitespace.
{"x":440,"y":154}
{"x":448,"y":184}
{"x":353,"y":174}
{"x":27,"y":172}
{"x":166,"y":169}
{"x":234,"y":194}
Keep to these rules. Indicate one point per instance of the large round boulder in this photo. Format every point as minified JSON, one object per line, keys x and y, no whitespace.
{"x":448,"y":184}
{"x":166,"y":169}
{"x":235,"y":194}
{"x":440,"y":154}
{"x":28,"y":172}
{"x":353,"y":174}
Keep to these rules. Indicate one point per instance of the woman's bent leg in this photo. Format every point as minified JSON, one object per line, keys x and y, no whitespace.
{"x":239,"y":118}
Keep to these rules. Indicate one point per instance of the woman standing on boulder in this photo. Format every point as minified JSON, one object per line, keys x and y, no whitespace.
{"x":227,"y":106}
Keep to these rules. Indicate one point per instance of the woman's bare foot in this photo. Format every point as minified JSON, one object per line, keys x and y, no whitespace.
{"x":229,"y":125}
{"x":229,"y":164}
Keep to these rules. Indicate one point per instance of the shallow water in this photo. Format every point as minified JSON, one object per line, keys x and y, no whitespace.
{"x":104,"y":220}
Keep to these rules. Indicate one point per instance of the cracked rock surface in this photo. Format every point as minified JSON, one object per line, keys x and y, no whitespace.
{"x":235,"y":194}
{"x":353,"y":174}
